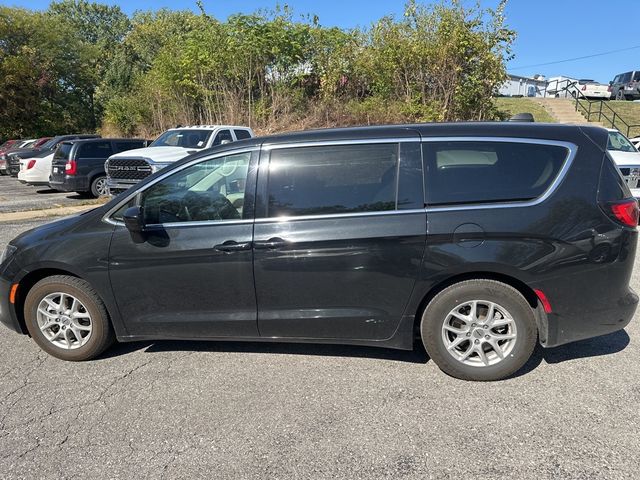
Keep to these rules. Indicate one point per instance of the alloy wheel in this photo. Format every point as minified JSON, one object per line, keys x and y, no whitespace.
{"x":64,"y":320}
{"x":479,"y":333}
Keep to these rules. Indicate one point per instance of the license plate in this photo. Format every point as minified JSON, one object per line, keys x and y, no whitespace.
{"x":56,"y":170}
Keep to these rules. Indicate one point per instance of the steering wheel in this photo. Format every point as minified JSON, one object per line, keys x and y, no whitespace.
{"x":228,"y":168}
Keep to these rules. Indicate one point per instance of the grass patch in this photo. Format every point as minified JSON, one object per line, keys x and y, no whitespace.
{"x":628,"y":111}
{"x":510,"y":106}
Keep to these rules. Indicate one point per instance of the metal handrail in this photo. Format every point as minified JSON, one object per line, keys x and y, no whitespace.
{"x":603,"y":109}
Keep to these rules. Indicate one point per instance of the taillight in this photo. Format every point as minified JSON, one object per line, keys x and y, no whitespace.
{"x":71,"y":167}
{"x":610,"y":89}
{"x":31,"y":164}
{"x":626,"y":212}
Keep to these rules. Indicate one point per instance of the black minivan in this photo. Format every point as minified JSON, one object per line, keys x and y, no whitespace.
{"x":78,"y":165}
{"x":477,"y":239}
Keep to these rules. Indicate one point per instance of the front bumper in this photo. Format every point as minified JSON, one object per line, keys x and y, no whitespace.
{"x":121,"y":185}
{"x":7,"y":311}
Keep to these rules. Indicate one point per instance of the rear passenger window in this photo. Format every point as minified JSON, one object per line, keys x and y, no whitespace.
{"x":222,"y":136}
{"x":484,"y":172}
{"x":332,"y":179}
{"x":95,"y":150}
{"x":124,"y":146}
{"x":242,"y":134}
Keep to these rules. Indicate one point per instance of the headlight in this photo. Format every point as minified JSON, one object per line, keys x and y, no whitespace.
{"x":8,"y":252}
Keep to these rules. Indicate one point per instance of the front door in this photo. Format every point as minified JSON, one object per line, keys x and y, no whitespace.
{"x":193,"y":276}
{"x":337,"y":250}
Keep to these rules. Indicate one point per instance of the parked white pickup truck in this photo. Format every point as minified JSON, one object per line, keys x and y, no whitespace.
{"x":125,"y":169}
{"x":627,"y":159}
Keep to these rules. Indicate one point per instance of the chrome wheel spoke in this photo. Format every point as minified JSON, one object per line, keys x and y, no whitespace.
{"x":504,"y":336}
{"x":483,"y":356}
{"x":458,"y":331}
{"x":455,"y":343}
{"x":468,"y":352}
{"x":66,"y":337}
{"x":496,"y":348}
{"x":79,"y":326}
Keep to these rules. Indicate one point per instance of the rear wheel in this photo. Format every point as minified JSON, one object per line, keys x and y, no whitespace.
{"x":67,"y":318}
{"x":99,"y":187}
{"x":479,"y":330}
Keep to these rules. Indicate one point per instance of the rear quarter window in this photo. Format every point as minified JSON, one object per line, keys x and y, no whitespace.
{"x":485,"y":172}
{"x":242,"y":134}
{"x":63,"y":150}
{"x":94,"y":150}
{"x":124,"y":146}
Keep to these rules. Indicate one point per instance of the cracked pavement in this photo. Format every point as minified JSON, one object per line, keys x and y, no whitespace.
{"x":253,"y":411}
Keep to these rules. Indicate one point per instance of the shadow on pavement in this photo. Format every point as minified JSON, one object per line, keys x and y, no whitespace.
{"x":593,"y":347}
{"x":418,"y":355}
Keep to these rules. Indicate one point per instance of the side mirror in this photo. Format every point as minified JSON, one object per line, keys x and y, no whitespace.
{"x":611,"y":83}
{"x":134,"y":221}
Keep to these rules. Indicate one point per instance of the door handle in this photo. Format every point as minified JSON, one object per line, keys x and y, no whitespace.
{"x":270,"y":244}
{"x":233,"y":246}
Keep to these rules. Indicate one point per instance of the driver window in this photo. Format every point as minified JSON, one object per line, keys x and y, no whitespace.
{"x":207,"y":191}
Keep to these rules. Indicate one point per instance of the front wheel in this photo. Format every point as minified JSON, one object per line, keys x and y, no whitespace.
{"x":67,"y":318}
{"x":479,"y":330}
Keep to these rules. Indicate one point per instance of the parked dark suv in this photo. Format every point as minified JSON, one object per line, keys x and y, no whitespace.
{"x":78,"y":165}
{"x":625,"y":86}
{"x":477,"y":239}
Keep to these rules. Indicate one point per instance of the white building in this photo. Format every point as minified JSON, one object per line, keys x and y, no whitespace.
{"x":518,"y":86}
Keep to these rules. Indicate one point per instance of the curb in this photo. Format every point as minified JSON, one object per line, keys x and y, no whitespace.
{"x":47,"y":212}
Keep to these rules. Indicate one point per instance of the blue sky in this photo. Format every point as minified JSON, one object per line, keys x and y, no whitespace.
{"x":548,"y":30}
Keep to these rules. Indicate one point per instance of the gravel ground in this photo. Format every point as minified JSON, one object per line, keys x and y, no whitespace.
{"x":15,"y":196}
{"x":233,"y":410}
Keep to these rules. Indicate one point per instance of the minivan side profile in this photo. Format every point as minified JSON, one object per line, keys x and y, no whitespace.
{"x":477,"y":239}
{"x":78,"y":165}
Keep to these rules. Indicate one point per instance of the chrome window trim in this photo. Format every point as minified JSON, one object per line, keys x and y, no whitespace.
{"x":204,"y":223}
{"x":267,"y":147}
{"x":107,"y":216}
{"x":337,"y":216}
{"x":572,"y":149}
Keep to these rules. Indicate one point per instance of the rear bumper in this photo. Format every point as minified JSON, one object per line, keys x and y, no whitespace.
{"x":69,"y":183}
{"x":563,"y":329}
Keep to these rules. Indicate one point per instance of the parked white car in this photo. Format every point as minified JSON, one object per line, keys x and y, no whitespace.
{"x":125,"y":169}
{"x":35,"y":170}
{"x":566,"y":87}
{"x":627,"y":158}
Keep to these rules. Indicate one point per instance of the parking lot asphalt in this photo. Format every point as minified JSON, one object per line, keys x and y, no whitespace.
{"x":16,"y":196}
{"x":255,"y":411}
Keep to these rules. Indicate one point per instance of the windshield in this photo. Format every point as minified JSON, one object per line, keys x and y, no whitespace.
{"x":49,"y":144}
{"x":619,"y":143}
{"x":187,"y":138}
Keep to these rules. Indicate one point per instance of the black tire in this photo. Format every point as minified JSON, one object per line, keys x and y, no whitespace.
{"x":97,"y":186}
{"x":437,"y":312}
{"x":620,"y":95}
{"x":101,"y":336}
